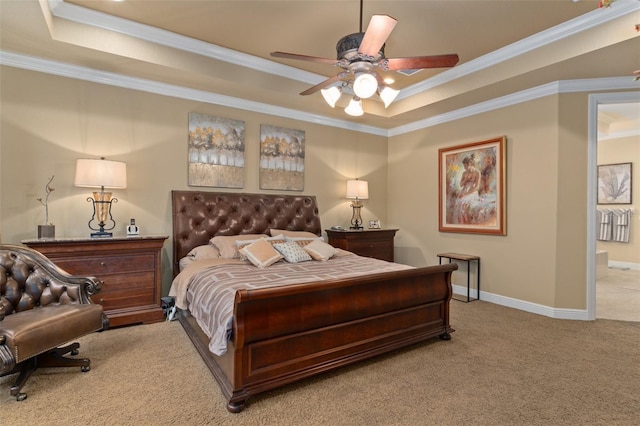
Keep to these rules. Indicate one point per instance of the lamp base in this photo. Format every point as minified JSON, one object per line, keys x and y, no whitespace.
{"x":101,"y":234}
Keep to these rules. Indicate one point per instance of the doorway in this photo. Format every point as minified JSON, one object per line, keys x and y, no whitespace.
{"x":613,"y":293}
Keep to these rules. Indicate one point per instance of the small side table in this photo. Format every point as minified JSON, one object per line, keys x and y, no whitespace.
{"x":465,"y":258}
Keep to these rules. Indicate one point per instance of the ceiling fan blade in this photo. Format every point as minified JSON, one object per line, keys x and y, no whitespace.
{"x":419,"y":62}
{"x":377,"y":33}
{"x":303,"y":57}
{"x":322,"y":85}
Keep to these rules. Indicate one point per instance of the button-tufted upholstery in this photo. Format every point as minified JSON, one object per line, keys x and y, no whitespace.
{"x":199,"y":215}
{"x":41,"y":308}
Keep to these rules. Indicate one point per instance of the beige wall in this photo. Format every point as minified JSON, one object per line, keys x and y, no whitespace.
{"x":546,"y":215}
{"x":48,"y":122}
{"x":624,"y":150}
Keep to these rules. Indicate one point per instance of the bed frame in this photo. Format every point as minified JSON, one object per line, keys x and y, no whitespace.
{"x":285,"y":334}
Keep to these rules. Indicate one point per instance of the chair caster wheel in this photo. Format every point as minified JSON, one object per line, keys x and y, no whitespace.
{"x":21,"y":397}
{"x":75,"y":352}
{"x":85,"y":369}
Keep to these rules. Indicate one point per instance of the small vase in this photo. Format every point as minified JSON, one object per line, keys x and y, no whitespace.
{"x":46,"y":231}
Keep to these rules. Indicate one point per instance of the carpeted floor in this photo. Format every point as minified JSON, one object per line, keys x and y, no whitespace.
{"x":502,"y":367}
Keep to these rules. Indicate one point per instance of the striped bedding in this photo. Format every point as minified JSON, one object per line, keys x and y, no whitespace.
{"x":208,"y":287}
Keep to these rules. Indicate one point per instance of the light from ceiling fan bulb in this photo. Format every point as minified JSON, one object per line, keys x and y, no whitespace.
{"x":331,"y":95}
{"x":387,"y":94}
{"x":355,"y":107}
{"x":365,"y":85}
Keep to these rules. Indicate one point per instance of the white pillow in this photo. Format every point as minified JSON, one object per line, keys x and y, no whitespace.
{"x":292,"y":252}
{"x":261,"y":253}
{"x":272,"y":240}
{"x":319,"y":250}
{"x":303,"y":241}
{"x":305,"y":234}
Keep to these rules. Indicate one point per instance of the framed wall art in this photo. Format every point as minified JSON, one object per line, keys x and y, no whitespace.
{"x":215,"y":151}
{"x":614,"y":183}
{"x":472,"y":187}
{"x":281,"y":158}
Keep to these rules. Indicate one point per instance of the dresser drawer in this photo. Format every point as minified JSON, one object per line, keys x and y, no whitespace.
{"x":126,"y":290}
{"x":97,"y":265}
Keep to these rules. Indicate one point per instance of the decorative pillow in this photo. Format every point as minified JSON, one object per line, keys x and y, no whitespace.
{"x":286,"y":233}
{"x":207,"y":251}
{"x":319,"y":250}
{"x":261,"y":253}
{"x":292,"y":252}
{"x":303,"y":241}
{"x":243,"y":243}
{"x":227,"y":244}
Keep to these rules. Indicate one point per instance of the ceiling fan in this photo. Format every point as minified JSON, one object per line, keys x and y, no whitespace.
{"x":361,"y":57}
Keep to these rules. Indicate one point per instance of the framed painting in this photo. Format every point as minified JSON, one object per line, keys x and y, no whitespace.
{"x":215,"y":151}
{"x":281,"y":158}
{"x":471,"y":192}
{"x":614,"y":183}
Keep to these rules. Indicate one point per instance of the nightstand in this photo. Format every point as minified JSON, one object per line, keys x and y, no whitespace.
{"x":129,"y":267}
{"x":376,"y":243}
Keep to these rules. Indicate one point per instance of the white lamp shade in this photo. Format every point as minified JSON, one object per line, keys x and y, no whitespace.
{"x":331,"y":95}
{"x":388,"y":95}
{"x":365,"y":85}
{"x":358,"y":189}
{"x":354,"y":108}
{"x":96,"y":173}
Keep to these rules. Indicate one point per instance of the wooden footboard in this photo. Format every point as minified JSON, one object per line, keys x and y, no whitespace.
{"x":284,"y":334}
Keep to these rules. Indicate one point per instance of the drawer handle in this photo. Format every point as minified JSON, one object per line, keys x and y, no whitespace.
{"x":102,"y":264}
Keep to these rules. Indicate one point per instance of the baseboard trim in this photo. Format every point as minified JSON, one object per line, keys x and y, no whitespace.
{"x":522,"y":305}
{"x":624,"y":265}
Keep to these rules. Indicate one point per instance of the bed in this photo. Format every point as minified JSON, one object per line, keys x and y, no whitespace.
{"x":284,"y":333}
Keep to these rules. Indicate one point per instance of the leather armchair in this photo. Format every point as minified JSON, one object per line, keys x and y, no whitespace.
{"x":41,"y":308}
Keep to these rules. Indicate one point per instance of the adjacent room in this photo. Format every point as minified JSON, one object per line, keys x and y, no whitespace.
{"x":411,"y":212}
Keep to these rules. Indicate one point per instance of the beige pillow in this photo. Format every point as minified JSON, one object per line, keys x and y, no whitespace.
{"x":286,"y":233}
{"x":261,"y":253}
{"x":319,"y":250}
{"x":207,"y":251}
{"x":226,"y":244}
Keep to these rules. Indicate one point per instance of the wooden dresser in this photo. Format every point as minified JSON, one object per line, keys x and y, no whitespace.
{"x":129,"y":267}
{"x":376,"y":243}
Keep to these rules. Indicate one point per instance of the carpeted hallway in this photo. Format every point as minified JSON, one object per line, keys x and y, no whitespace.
{"x":502,"y":367}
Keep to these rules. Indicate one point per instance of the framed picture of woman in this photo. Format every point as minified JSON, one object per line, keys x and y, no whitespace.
{"x":471,"y":180}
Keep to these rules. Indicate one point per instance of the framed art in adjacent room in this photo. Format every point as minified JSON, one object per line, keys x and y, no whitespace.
{"x":471,"y":193}
{"x":614,"y":183}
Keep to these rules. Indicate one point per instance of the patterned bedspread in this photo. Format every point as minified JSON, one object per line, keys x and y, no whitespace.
{"x":209,"y":290}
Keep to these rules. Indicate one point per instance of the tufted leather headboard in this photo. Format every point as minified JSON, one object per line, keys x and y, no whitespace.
{"x":199,"y":215}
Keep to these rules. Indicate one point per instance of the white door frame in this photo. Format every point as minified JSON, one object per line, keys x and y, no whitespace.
{"x":592,"y":186}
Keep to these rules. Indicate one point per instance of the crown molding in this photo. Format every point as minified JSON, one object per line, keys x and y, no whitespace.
{"x":112,"y":79}
{"x":558,"y":87}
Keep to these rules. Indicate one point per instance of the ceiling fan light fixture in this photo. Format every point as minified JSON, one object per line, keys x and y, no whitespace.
{"x":331,"y":95}
{"x":387,"y":94}
{"x":355,"y":107}
{"x":365,"y":85}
